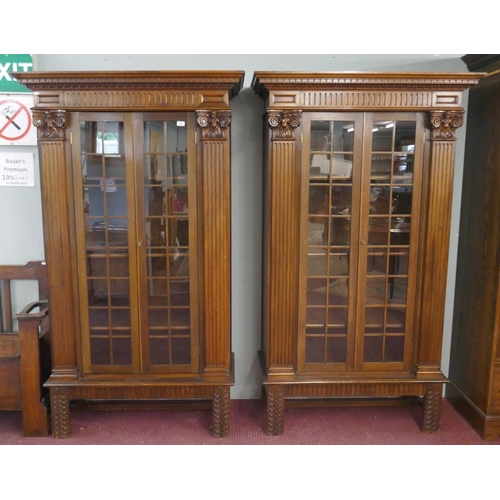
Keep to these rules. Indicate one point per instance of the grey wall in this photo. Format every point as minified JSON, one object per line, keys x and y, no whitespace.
{"x":20,"y":215}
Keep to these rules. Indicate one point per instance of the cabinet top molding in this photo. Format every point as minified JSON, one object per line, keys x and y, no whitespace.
{"x":264,"y":81}
{"x":132,"y":90}
{"x":45,"y":80}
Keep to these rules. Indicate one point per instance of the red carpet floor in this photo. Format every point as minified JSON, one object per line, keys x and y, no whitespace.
{"x":391,"y":425}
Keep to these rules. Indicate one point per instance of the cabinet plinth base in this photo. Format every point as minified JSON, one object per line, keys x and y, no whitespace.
{"x":62,"y":393}
{"x":487,"y":426}
{"x":336,"y":393}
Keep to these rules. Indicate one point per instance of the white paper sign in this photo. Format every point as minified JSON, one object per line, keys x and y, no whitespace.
{"x":16,"y":124}
{"x":17,"y":169}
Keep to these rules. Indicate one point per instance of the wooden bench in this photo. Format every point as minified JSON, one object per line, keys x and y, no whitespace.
{"x":25,"y":360}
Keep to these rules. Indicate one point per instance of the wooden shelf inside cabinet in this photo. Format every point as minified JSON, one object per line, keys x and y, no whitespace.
{"x":138,"y":252}
{"x":355,"y":275}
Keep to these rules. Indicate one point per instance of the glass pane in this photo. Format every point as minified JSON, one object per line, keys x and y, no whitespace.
{"x":340,"y":234}
{"x":316,"y":265}
{"x":337,"y":320}
{"x":401,"y":200}
{"x":106,"y":240}
{"x":390,"y":213}
{"x":376,"y":290}
{"x":329,"y":232}
{"x":341,"y":200}
{"x":342,"y":136}
{"x":341,"y":165}
{"x":336,"y":350}
{"x":159,"y":349}
{"x":181,"y":351}
{"x":316,"y":316}
{"x":122,"y":351}
{"x":373,"y":349}
{"x":167,"y":249}
{"x":315,"y":350}
{"x":100,"y":351}
{"x":320,"y":136}
{"x":394,"y":348}
{"x":382,"y":135}
{"x":316,"y":291}
{"x":396,"y":318}
{"x":319,"y":200}
{"x":378,"y":231}
{"x":381,"y":167}
{"x":375,"y":319}
{"x":339,"y":263}
{"x":320,"y":165}
{"x":405,"y":136}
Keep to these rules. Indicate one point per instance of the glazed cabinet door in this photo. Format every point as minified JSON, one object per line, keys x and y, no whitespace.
{"x":360,"y":205}
{"x":135,"y":214}
{"x":167,"y":237}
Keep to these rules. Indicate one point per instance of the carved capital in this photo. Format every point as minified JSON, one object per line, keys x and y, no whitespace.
{"x":284,"y":123}
{"x":213,"y":123}
{"x":51,"y":125}
{"x":445,"y":123}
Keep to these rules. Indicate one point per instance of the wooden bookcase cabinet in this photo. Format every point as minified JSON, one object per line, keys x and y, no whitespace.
{"x":358,"y":189}
{"x":474,"y":374}
{"x":135,"y":174}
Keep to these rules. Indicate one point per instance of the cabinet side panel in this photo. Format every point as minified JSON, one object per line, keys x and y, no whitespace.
{"x":476,"y":290}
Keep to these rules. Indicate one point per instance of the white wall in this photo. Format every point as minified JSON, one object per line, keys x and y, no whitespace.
{"x":20,"y":216}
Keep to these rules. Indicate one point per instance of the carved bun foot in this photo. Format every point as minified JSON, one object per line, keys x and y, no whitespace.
{"x":220,"y":411}
{"x":432,"y":408}
{"x":59,"y":408}
{"x":275,"y":410}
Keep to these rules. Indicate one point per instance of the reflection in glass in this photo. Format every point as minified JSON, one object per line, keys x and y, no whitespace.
{"x":167,"y":249}
{"x":315,"y":350}
{"x":106,"y":241}
{"x":405,"y":136}
{"x":329,"y":229}
{"x":373,"y":348}
{"x":393,"y":150}
{"x":382,"y":135}
{"x":381,"y":167}
{"x":394,"y":348}
{"x":336,"y":350}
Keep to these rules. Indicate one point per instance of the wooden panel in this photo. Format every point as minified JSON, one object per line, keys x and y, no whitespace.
{"x":494,"y":407}
{"x":352,"y":389}
{"x":217,"y":272}
{"x":57,"y":230}
{"x":282,"y":279}
{"x":130,"y":99}
{"x":476,"y":318}
{"x":435,"y":253}
{"x":10,"y":386}
{"x":366,"y":100}
{"x":9,"y":344}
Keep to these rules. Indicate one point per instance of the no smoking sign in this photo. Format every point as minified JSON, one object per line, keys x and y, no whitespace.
{"x":16,"y":125}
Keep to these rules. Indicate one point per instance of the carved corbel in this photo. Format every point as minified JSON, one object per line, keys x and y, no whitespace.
{"x":445,"y":123}
{"x":51,"y":125}
{"x":213,"y":123}
{"x":284,"y":123}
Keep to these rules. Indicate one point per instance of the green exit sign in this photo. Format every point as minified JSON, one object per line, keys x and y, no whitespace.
{"x":13,"y":63}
